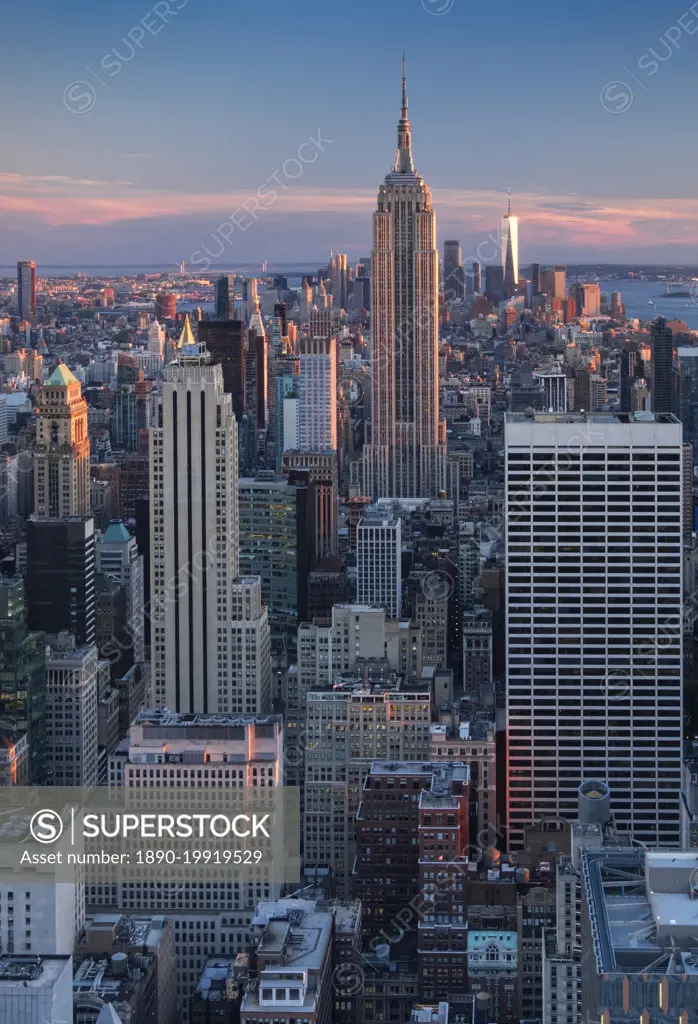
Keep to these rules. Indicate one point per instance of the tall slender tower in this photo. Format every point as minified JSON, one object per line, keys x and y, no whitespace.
{"x":26,"y":288}
{"x":193,"y":535}
{"x":62,"y":454}
{"x":510,"y":250}
{"x":406,"y":456}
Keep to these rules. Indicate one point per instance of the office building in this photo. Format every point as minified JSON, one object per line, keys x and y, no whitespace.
{"x":120,"y":988}
{"x":4,"y":436}
{"x":591,"y":300}
{"x":388,"y":827}
{"x":284,"y":531}
{"x":300,"y":947}
{"x":379,"y":561}
{"x":554,"y":387}
{"x":663,"y":384}
{"x":156,"y":340}
{"x":587,"y":697}
{"x":346,"y":727}
{"x":26,"y":289}
{"x":470,"y":738}
{"x":476,"y":271}
{"x":71,"y":715}
{"x":454,"y":275}
{"x":535,"y":279}
{"x":117,"y":556}
{"x":61,"y":576}
{"x":494,"y":284}
{"x":225,"y":342}
{"x":320,"y":469}
{"x":219,"y":992}
{"x":317,"y":394}
{"x":36,"y":989}
{"x":185,"y":750}
{"x":225,"y":297}
{"x":62,"y":451}
{"x":510,"y":250}
{"x":406,"y":455}
{"x":251,"y":649}
{"x":193,"y":534}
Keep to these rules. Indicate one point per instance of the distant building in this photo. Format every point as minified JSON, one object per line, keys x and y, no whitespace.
{"x":165,"y":307}
{"x":663,"y":385}
{"x":26,"y":289}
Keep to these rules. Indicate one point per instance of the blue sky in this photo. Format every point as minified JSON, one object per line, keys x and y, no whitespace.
{"x":585,"y":110}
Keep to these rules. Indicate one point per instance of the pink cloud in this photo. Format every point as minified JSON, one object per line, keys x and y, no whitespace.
{"x":58,"y":200}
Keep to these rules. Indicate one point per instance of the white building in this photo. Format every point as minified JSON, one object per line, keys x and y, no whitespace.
{"x":71,"y":715}
{"x":156,"y":339}
{"x":194,"y":534}
{"x":116,"y":554}
{"x":36,"y":989}
{"x":379,"y":561}
{"x":250,"y":649}
{"x":168,"y":749}
{"x":317,"y":394}
{"x":594,"y":612}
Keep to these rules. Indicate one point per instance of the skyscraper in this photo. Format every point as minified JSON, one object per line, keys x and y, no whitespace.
{"x":594,"y":614}
{"x":477,"y":278}
{"x":225,"y":297}
{"x":454,"y":276}
{"x":26,"y":288}
{"x":662,"y":366}
{"x":406,"y":456}
{"x":194,"y":534}
{"x":379,"y":561}
{"x":62,"y":453}
{"x":317,"y":394}
{"x":510,"y":249}
{"x":61,"y":576}
{"x":688,"y":395}
{"x":225,"y":342}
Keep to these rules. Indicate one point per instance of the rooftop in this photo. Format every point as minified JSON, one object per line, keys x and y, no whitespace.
{"x":643,"y":909}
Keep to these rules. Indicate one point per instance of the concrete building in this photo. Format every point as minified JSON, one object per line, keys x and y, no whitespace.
{"x":62,"y":450}
{"x":379,"y":561}
{"x":184,"y":750}
{"x":116,"y":555}
{"x":386,"y":875}
{"x":193,"y":534}
{"x":602,"y":495}
{"x":472,"y":741}
{"x":317,"y":394}
{"x":294,"y":950}
{"x":251,"y":649}
{"x":347,"y":727}
{"x":35,"y":989}
{"x":72,"y":741}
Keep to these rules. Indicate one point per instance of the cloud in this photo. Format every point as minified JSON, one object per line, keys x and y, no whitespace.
{"x":60,"y":201}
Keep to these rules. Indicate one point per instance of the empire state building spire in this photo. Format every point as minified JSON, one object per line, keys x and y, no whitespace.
{"x":404,"y":163}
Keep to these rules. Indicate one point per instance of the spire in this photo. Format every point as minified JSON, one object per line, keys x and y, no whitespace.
{"x":509,"y":206}
{"x":403,"y":159}
{"x":187,"y":335}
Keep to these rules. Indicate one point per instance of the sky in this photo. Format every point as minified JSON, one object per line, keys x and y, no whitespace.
{"x":130,"y":133}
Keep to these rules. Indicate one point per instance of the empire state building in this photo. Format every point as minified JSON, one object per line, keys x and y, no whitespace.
{"x":406,"y":456}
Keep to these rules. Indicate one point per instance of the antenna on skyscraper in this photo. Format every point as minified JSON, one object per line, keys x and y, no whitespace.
{"x":509,"y":206}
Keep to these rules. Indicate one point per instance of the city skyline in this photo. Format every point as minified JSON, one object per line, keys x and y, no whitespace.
{"x":121,"y":177}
